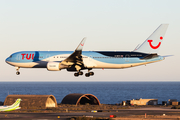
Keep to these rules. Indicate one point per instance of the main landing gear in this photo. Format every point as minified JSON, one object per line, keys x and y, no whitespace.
{"x":78,"y":73}
{"x":17,"y":69}
{"x":89,"y":74}
{"x":81,"y":73}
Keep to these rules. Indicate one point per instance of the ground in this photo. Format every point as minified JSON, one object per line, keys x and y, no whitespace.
{"x":94,"y":112}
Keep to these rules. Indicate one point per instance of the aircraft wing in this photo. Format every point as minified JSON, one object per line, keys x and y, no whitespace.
{"x":76,"y":57}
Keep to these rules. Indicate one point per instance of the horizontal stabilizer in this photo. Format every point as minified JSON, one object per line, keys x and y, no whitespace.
{"x":167,"y":55}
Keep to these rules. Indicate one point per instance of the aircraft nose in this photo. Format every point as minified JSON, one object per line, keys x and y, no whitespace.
{"x":7,"y":60}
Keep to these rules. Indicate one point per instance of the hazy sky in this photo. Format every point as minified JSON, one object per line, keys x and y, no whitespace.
{"x":107,"y":24}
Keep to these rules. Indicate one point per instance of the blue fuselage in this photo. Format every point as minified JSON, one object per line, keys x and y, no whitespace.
{"x":100,"y":59}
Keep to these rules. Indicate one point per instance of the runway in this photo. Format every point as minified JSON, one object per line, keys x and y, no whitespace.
{"x":123,"y":113}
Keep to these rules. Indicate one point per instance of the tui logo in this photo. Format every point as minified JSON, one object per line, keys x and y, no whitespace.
{"x":155,"y":47}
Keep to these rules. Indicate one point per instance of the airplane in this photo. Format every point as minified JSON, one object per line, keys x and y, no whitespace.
{"x":78,"y":60}
{"x":12,"y":107}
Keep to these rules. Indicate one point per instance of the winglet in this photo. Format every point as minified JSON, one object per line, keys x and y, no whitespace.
{"x":80,"y":46}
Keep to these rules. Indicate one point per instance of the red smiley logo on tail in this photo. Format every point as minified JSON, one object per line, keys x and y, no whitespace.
{"x":82,"y":44}
{"x":154,"y":47}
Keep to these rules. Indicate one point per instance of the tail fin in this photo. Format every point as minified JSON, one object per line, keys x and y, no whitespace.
{"x":16,"y":104}
{"x":153,"y":42}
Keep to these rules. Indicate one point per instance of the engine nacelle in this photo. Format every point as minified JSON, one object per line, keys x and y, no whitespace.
{"x":53,"y":66}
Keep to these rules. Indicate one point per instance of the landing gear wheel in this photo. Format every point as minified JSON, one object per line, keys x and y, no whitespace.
{"x":91,"y":73}
{"x":76,"y":74}
{"x":17,"y":73}
{"x":80,"y":73}
{"x":87,"y":74}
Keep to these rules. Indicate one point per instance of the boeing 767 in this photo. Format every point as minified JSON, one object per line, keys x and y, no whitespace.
{"x":79,"y":60}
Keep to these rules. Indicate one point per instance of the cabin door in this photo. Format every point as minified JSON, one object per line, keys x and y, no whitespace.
{"x":47,"y":57}
{"x":18,"y":57}
{"x":127,"y":58}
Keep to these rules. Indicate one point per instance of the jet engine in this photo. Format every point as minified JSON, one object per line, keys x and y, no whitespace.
{"x":55,"y":66}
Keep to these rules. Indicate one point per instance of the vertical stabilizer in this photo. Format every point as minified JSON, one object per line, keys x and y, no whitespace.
{"x":154,"y":41}
{"x":12,"y":107}
{"x":16,"y":104}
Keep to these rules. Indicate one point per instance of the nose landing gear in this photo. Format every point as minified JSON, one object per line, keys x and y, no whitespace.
{"x":17,"y":73}
{"x":17,"y":69}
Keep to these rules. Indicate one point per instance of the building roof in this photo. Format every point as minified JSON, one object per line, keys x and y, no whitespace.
{"x":78,"y":98}
{"x":29,"y":101}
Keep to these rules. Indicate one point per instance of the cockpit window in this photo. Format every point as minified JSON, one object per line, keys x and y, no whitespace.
{"x":10,"y":56}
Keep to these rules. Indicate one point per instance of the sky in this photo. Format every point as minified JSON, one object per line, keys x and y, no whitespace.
{"x":58,"y":25}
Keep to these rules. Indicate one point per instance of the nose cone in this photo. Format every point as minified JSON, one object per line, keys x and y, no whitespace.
{"x":7,"y":60}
